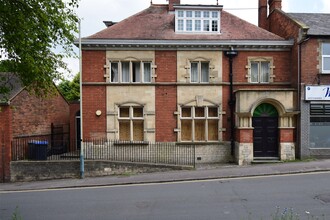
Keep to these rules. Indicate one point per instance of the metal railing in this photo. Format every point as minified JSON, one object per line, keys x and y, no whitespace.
{"x":119,"y":151}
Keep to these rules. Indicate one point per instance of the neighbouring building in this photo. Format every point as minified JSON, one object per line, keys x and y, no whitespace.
{"x":310,"y":72}
{"x":191,"y":74}
{"x":25,"y":115}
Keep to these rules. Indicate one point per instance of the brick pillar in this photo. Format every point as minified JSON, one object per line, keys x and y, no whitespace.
{"x":94,"y":95}
{"x":5,"y":143}
{"x":166,"y":96}
{"x":287,"y":143}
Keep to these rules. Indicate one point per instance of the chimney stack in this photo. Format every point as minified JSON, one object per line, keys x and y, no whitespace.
{"x":262,"y":16}
{"x":172,"y":3}
{"x":274,"y":4}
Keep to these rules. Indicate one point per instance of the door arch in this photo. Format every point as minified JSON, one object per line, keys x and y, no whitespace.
{"x":265,"y":133}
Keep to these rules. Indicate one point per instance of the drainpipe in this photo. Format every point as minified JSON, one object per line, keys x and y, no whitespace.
{"x":231,"y":54}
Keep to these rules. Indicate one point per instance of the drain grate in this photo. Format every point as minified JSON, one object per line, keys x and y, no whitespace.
{"x":324,"y":198}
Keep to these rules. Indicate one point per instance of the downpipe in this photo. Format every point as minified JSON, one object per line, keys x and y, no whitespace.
{"x":231,"y":54}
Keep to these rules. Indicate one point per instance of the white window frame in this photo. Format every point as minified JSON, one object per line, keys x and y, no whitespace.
{"x":131,"y":118}
{"x":260,"y":60}
{"x":199,"y":71}
{"x":142,"y":75}
{"x":325,"y":56}
{"x":205,"y":118}
{"x":190,"y":17}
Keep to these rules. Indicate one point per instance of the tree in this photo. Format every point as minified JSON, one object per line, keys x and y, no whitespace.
{"x":70,"y":89}
{"x":31,"y":31}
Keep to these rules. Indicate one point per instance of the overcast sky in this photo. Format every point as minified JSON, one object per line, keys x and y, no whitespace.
{"x":94,"y":12}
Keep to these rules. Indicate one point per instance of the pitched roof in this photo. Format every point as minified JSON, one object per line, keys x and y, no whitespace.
{"x":10,"y":81}
{"x":156,"y":23}
{"x":317,"y":23}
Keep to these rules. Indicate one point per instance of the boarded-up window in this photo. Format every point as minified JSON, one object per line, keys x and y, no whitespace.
{"x":186,"y":130}
{"x":124,"y":131}
{"x":199,"y":123}
{"x":131,"y":123}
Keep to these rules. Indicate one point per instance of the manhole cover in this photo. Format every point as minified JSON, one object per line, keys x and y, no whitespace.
{"x":324,"y":198}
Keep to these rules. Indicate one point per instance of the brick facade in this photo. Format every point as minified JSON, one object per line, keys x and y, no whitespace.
{"x":25,"y":116}
{"x":5,"y":142}
{"x":94,"y":96}
{"x":34,"y":116}
{"x":166,"y":96}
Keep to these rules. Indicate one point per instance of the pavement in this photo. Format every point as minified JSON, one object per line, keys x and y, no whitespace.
{"x":202,"y":172}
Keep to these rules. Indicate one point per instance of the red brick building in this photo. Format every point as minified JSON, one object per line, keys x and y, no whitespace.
{"x":310,"y":72}
{"x":191,"y":74}
{"x":23,"y":114}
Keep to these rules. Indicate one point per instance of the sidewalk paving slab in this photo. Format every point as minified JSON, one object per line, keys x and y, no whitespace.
{"x":202,"y":172}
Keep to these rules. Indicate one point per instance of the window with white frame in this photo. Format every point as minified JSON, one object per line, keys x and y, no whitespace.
{"x":197,"y":21}
{"x":325,"y":57}
{"x":199,"y":71}
{"x":199,"y":123}
{"x":131,"y":123}
{"x":260,"y":70}
{"x":130,"y":71}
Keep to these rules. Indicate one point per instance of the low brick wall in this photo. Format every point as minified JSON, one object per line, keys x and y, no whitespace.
{"x":23,"y":171}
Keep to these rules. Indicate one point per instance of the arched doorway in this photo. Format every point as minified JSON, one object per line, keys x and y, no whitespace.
{"x":265,"y":133}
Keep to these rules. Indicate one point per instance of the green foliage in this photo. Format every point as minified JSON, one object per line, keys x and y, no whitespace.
{"x":70,"y":90}
{"x":30,"y":31}
{"x":16,"y":215}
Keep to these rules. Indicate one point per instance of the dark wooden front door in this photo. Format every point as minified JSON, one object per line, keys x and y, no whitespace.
{"x":265,"y":136}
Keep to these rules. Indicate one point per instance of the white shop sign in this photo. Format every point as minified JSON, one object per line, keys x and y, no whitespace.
{"x":313,"y":93}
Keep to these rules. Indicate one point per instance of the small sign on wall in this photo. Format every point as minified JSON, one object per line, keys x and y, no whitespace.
{"x":313,"y":93}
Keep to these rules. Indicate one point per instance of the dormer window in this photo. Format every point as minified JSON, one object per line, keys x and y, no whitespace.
{"x":197,"y":20}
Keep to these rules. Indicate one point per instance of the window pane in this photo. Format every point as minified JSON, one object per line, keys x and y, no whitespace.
{"x":194,"y":72}
{"x":180,"y":14}
{"x":137,"y":112}
{"x":215,"y":14}
{"x":186,"y":130}
{"x":206,"y":14}
{"x":189,"y":25}
{"x":124,"y":112}
{"x":205,"y":72}
{"x":214,"y":25}
{"x":147,"y":72}
{"x":136,"y":71}
{"x":206,"y":25}
{"x":264,"y":72}
{"x":199,"y":130}
{"x":189,"y":14}
{"x":138,"y":130}
{"x":125,"y":71}
{"x":213,"y":112}
{"x":199,"y":112}
{"x":198,"y":25}
{"x":319,"y":134}
{"x":326,"y":48}
{"x":186,"y":112}
{"x":213,"y":130}
{"x":254,"y":72}
{"x":197,"y":14}
{"x":114,"y":72}
{"x":326,"y":63}
{"x":180,"y":25}
{"x":124,"y":131}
